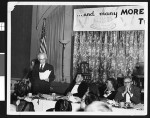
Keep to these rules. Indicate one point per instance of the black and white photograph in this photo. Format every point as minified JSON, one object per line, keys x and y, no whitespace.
{"x":77,"y":58}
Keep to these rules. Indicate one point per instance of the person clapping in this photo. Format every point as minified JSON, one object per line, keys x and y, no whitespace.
{"x":128,"y":93}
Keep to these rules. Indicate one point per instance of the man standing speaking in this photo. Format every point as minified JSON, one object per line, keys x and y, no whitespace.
{"x":42,"y":75}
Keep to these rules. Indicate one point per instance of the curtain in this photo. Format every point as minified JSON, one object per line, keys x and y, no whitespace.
{"x":108,"y":53}
{"x":54,"y":33}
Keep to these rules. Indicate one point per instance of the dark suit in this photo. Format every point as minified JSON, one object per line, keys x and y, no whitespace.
{"x":134,"y":90}
{"x":42,"y":86}
{"x":81,"y":89}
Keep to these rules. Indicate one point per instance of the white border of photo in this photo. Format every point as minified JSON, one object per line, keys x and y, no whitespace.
{"x":2,"y":89}
{"x":11,"y":6}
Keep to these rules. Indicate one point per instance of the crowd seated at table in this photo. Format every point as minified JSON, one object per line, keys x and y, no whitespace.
{"x":83,"y":94}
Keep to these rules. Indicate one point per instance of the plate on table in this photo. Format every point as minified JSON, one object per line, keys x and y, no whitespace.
{"x":115,"y":105}
{"x":128,"y":107}
{"x":74,"y":99}
{"x":45,"y":96}
{"x":58,"y":97}
{"x":139,"y":106}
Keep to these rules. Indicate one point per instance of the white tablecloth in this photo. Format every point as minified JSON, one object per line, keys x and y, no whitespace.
{"x":122,"y":111}
{"x":41,"y":105}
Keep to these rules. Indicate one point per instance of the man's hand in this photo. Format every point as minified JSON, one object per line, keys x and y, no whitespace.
{"x":126,"y":90}
{"x":129,"y":91}
{"x":69,"y":94}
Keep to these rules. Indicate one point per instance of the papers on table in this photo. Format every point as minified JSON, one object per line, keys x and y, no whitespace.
{"x":74,"y":99}
{"x":44,"y":75}
{"x":139,"y":106}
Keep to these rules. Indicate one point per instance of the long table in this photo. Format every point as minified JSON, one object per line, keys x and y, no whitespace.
{"x":41,"y":105}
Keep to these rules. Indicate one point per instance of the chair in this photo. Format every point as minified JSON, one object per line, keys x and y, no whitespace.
{"x":138,"y":78}
{"x":84,"y":69}
{"x":138,"y":75}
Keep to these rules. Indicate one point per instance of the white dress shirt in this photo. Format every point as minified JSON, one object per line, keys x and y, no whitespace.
{"x":75,"y":89}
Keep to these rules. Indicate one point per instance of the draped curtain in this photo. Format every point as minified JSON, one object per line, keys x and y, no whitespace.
{"x":54,"y":33}
{"x":108,"y":53}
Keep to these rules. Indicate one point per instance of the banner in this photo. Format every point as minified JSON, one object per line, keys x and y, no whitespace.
{"x":109,"y":18}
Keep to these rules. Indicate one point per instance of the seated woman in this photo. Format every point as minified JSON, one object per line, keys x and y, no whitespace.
{"x":63,"y":105}
{"x":87,"y":99}
{"x":21,"y":89}
{"x":77,"y":87}
{"x":102,"y":85}
{"x":110,"y":91}
{"x":17,"y":98}
{"x":92,"y":89}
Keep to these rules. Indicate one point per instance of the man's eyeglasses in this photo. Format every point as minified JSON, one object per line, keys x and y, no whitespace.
{"x":127,"y":82}
{"x":41,"y":59}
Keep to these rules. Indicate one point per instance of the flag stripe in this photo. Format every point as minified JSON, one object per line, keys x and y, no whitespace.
{"x":43,"y":46}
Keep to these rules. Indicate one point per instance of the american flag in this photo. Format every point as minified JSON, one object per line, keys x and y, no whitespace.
{"x":43,"y":46}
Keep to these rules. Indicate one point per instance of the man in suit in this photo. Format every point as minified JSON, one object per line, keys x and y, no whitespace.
{"x":128,"y":92}
{"x":77,"y":87}
{"x":42,"y":84}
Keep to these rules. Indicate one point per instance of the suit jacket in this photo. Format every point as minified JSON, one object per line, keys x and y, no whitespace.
{"x":36,"y":70}
{"x":81,"y":89}
{"x":134,"y":90}
{"x":41,"y":86}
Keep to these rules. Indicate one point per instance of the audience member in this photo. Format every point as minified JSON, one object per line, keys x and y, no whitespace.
{"x":21,"y":89}
{"x":102,"y":87}
{"x":98,"y":106}
{"x":63,"y":105}
{"x":93,"y":88}
{"x":17,"y":98}
{"x":110,"y":91}
{"x":128,"y":92}
{"x":90,"y":98}
{"x":29,"y":74}
{"x":41,"y":84}
{"x":87,"y":99}
{"x":77,"y":87}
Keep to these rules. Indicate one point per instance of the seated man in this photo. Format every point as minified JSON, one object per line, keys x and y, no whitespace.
{"x":77,"y":88}
{"x":42,"y":75}
{"x":128,"y":92}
